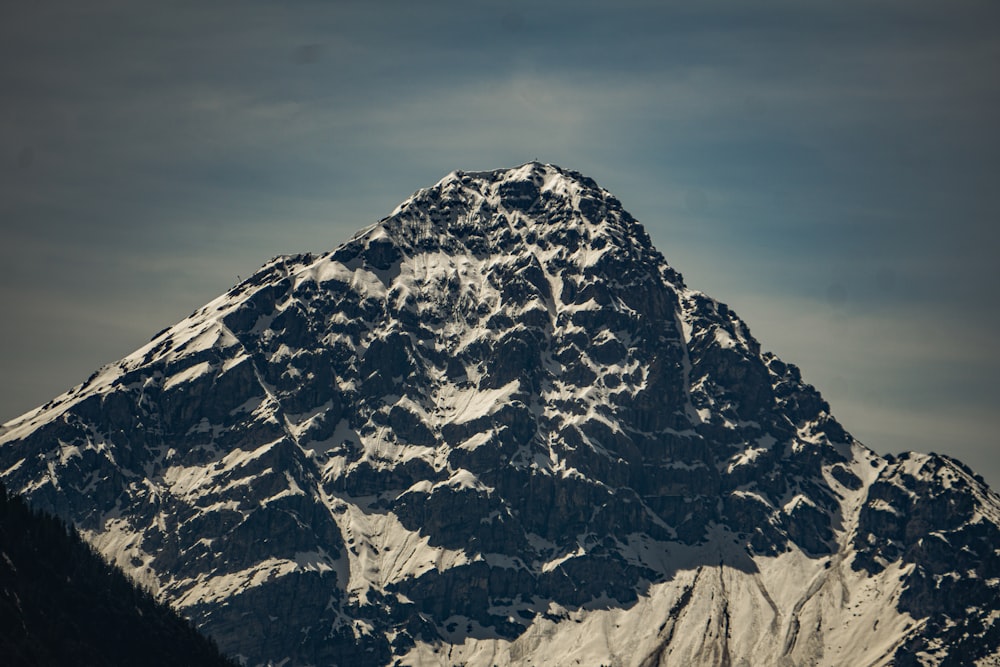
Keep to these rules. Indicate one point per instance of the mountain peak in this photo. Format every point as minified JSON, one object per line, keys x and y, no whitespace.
{"x":535,"y":208}
{"x":496,"y":419}
{"x":542,"y":176}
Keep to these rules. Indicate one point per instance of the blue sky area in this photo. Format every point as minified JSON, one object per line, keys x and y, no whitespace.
{"x":830,"y":170}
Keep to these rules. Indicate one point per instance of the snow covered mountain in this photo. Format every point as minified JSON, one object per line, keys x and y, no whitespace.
{"x":497,"y":428}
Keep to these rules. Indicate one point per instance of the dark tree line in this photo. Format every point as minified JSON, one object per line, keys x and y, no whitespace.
{"x":62,"y":604}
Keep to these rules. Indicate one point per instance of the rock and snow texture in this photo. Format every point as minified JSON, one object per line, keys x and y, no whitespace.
{"x":497,"y":428}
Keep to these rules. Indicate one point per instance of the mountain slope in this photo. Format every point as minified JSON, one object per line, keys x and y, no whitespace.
{"x":60,"y":604}
{"x":497,"y":427}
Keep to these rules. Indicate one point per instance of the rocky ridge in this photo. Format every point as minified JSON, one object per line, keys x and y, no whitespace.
{"x":496,"y":427}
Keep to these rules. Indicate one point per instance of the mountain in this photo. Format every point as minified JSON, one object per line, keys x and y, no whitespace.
{"x":61,"y":604}
{"x":496,"y":427}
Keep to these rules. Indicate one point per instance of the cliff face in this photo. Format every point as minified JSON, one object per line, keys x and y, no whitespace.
{"x":496,"y":427}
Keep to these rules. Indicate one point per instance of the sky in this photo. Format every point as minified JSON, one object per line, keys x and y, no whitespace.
{"x":829,"y":170}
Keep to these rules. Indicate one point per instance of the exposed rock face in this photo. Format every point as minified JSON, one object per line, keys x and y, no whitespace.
{"x":496,"y":427}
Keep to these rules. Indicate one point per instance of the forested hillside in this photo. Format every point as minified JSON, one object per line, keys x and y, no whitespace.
{"x":61,"y":604}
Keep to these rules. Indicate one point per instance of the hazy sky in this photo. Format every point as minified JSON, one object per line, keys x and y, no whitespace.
{"x":830,"y":170}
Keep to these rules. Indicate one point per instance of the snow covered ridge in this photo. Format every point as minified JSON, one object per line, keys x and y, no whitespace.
{"x":496,"y":427}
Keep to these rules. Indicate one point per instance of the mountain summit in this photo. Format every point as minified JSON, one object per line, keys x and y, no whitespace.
{"x":497,"y":428}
